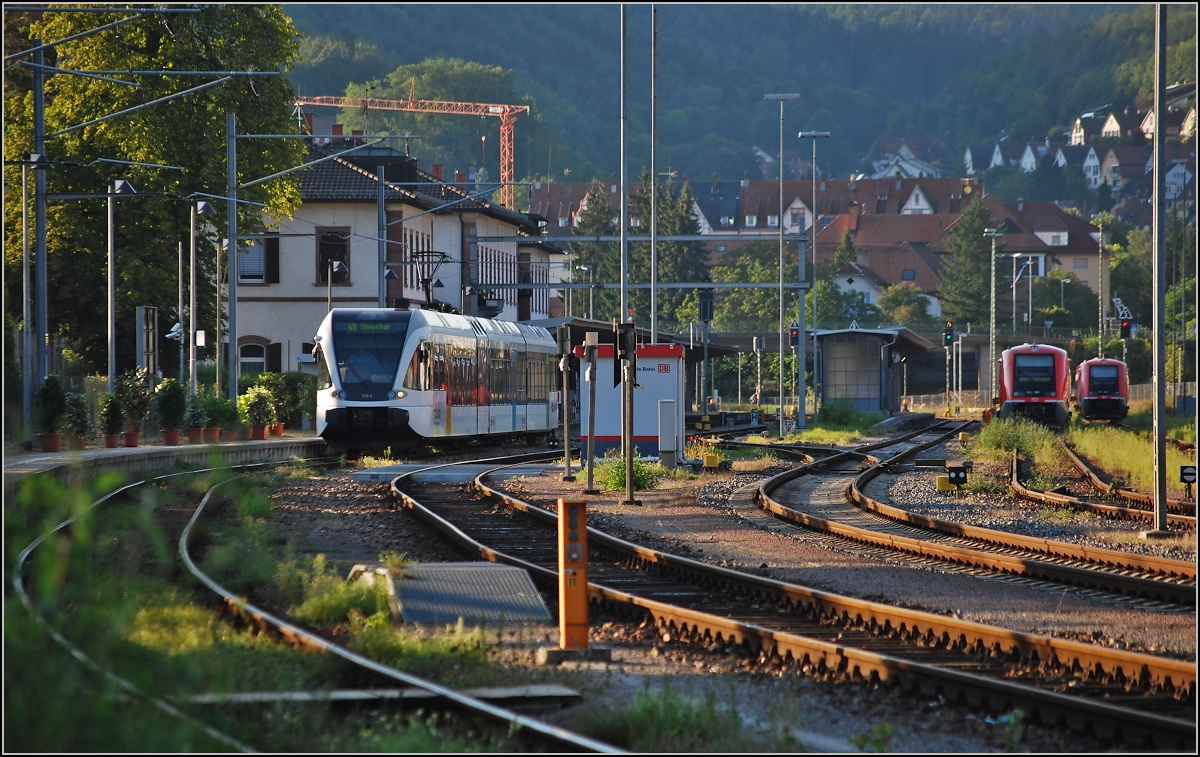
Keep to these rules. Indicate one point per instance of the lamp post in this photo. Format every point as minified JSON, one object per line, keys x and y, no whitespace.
{"x":335,"y":266}
{"x":781,"y":98}
{"x":1062,"y":286}
{"x":590,"y":270}
{"x":1014,"y":292}
{"x":992,"y":234}
{"x":198,"y":208}
{"x":119,"y":187}
{"x":812,"y":241}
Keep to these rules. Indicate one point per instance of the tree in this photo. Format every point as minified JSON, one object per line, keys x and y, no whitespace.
{"x":845,"y":253}
{"x":678,"y":262}
{"x":596,"y":219}
{"x":756,"y":263}
{"x":188,"y":132}
{"x":904,"y":305}
{"x":1131,"y":275}
{"x":966,"y":279}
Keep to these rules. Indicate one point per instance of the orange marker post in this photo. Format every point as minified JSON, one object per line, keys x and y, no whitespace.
{"x":572,"y":574}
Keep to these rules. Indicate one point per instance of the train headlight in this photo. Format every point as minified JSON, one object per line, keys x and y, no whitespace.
{"x":337,"y":394}
{"x":399,"y":394}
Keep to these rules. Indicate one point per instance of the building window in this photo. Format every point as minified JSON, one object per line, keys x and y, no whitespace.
{"x":252,"y":359}
{"x":751,"y":221}
{"x":1079,"y":264}
{"x":562,"y":223}
{"x":798,"y":219}
{"x":909,"y":274}
{"x":720,"y":248}
{"x":773,"y":222}
{"x":251,"y":261}
{"x":1057,"y":240}
{"x":333,"y":245}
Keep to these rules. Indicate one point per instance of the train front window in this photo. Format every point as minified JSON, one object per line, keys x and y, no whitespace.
{"x":1034,"y":376}
{"x":366,"y":351}
{"x":1103,"y":380}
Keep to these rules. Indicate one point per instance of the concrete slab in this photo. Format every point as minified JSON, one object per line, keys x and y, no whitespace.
{"x":477,"y":592}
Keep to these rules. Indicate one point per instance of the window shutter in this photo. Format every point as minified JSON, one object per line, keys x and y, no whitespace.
{"x":275,"y":356}
{"x":271,"y":260}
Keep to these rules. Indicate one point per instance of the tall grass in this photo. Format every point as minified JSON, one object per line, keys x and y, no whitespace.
{"x":1019,"y":434}
{"x":1130,"y":456}
{"x":611,"y":474}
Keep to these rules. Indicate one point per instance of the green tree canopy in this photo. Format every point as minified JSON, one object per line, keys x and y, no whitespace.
{"x":903,"y":305}
{"x":188,"y":131}
{"x":966,"y":280}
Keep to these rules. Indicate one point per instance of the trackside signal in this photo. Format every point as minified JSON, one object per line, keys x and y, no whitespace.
{"x":948,"y":334}
{"x":1126,"y":328}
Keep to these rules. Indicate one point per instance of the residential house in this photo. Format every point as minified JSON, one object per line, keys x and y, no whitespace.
{"x":1088,"y":126}
{"x":1187,"y":130}
{"x":976,"y":159}
{"x":1122,"y":163}
{"x":1007,"y":154}
{"x":1173,"y":122}
{"x":1036,"y":153}
{"x":439,"y":243}
{"x":1124,"y":125}
{"x":909,"y":157}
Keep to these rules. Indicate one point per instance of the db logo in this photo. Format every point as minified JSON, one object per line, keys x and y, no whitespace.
{"x":664,"y":367}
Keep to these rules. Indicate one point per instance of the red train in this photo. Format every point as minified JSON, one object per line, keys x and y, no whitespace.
{"x":1035,"y":383}
{"x":1102,"y":389}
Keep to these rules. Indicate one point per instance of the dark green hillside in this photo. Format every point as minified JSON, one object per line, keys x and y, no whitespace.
{"x":860,"y":70}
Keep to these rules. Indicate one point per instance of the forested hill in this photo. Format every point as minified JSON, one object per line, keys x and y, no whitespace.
{"x":964,"y":72}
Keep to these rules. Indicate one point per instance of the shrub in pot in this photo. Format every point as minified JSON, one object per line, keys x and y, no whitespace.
{"x":78,"y":419}
{"x":49,"y":404}
{"x":171,"y":399}
{"x":195,"y":417}
{"x":259,"y":409}
{"x":112,"y":418}
{"x":133,"y":389}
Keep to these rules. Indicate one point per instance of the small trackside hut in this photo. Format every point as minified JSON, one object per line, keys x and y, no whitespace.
{"x":660,"y":376}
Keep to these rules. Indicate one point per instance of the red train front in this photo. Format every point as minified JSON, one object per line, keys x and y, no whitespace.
{"x":1035,"y":382}
{"x":1102,"y":389}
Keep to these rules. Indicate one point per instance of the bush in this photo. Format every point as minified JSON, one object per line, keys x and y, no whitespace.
{"x":49,"y":404}
{"x":256,"y":408}
{"x":133,"y":389}
{"x":219,"y":410}
{"x":172,"y":404}
{"x":1017,"y":433}
{"x":194,"y":413}
{"x":112,"y":415}
{"x":610,"y":474}
{"x":276,"y":388}
{"x":843,"y":414}
{"x":302,"y":396}
{"x":78,"y":418}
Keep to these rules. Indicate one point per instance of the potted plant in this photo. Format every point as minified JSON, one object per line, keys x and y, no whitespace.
{"x":133,"y":388}
{"x":112,"y":419}
{"x":171,"y":399}
{"x":260,"y":411}
{"x":195,"y":418}
{"x":276,"y":387}
{"x":221,"y":413}
{"x":302,"y":398}
{"x":78,"y":420}
{"x":50,"y":406}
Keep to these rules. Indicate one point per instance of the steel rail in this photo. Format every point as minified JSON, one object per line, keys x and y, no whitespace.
{"x":1180,"y":505}
{"x":553,"y":735}
{"x":1164,"y":673}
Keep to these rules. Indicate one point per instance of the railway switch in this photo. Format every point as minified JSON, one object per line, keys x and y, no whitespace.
{"x":572,"y":574}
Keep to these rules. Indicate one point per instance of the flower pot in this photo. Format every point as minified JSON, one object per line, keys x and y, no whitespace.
{"x":231,"y":434}
{"x":212,"y":435}
{"x":276,"y":429}
{"x":76,"y":442}
{"x":258,"y":432}
{"x":112,"y":440}
{"x":50,"y":442}
{"x":171,"y":437}
{"x":195,"y":435}
{"x":131,"y":438}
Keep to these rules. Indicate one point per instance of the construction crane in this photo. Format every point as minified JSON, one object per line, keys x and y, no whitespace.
{"x":506,"y":113}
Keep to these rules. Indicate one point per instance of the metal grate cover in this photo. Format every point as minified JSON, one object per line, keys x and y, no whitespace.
{"x":476,"y":592}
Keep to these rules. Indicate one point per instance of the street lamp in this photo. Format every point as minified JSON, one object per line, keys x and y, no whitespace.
{"x":335,"y":266}
{"x":119,"y":187}
{"x":812,"y":241}
{"x":781,"y":98}
{"x":1015,"y":256}
{"x":198,"y":208}
{"x":992,"y":234}
{"x":1061,"y":293}
{"x":590,"y":270}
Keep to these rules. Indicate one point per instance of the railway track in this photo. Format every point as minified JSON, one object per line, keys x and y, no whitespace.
{"x":828,"y":496}
{"x":528,"y":732}
{"x":1144,"y":699}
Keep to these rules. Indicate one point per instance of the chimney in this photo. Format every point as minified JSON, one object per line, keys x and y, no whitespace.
{"x":612,"y":188}
{"x":1020,"y":204}
{"x":714,"y":180}
{"x":745,"y":179}
{"x":537,"y":181}
{"x":854,"y":211}
{"x":336,"y":130}
{"x":459,"y":178}
{"x":357,"y":133}
{"x":437,"y":170}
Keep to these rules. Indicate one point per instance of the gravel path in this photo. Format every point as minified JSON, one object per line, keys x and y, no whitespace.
{"x":353,"y":522}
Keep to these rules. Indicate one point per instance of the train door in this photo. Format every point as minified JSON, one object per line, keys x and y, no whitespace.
{"x":500,"y":419}
{"x":483,"y":386}
{"x":517,"y":391}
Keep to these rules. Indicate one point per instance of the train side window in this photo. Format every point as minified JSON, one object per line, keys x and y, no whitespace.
{"x":324,"y":381}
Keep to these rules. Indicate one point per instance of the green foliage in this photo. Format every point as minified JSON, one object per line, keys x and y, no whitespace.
{"x":195,"y":414}
{"x":398,"y":563}
{"x":219,"y":409}
{"x":611,"y":474}
{"x":845,"y":253}
{"x":49,"y":405}
{"x":1017,"y":434}
{"x":172,"y":403}
{"x":76,"y":414}
{"x":841,"y":414}
{"x":877,"y":739}
{"x":133,"y":388}
{"x":966,"y":283}
{"x":112,"y":415}
{"x":255,"y":407}
{"x":903,"y":305}
{"x":254,"y":504}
